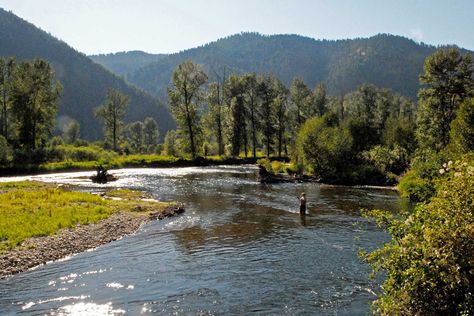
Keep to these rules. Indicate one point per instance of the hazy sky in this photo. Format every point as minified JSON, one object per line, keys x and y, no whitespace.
{"x":165,"y":26}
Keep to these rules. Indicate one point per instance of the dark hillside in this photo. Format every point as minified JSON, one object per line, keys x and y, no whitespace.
{"x":85,"y":82}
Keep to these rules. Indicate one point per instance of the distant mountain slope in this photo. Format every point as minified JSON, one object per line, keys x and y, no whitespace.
{"x":85,"y":82}
{"x":124,"y":63}
{"x":385,"y":60}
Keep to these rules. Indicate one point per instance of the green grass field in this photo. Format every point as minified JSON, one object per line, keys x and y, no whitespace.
{"x":32,"y":209}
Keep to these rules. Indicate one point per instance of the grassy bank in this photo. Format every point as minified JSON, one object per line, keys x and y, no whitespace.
{"x":33,"y":209}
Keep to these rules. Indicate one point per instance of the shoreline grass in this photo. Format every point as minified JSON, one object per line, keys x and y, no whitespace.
{"x":33,"y":209}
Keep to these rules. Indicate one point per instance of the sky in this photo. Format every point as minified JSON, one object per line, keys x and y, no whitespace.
{"x":167,"y":26}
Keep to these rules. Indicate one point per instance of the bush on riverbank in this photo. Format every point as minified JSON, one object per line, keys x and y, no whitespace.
{"x":429,"y":261}
{"x":31,"y":209}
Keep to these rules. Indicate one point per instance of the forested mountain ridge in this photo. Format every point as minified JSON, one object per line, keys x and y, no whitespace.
{"x":124,"y":63}
{"x":84,"y":82}
{"x":385,"y":60}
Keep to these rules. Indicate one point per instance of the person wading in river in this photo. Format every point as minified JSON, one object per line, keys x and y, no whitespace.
{"x":303,"y":204}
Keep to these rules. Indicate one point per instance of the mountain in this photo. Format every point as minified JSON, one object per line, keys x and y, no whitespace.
{"x":384,"y":60}
{"x":84,"y":82}
{"x":124,"y":63}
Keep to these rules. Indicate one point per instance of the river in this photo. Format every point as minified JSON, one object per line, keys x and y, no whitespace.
{"x":240,"y":248}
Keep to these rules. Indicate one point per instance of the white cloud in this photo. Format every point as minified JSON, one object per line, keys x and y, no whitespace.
{"x":416,"y":34}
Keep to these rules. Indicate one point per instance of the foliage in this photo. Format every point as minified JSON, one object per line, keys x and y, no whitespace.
{"x":277,"y":166}
{"x":319,"y":101}
{"x":72,"y":132}
{"x":386,"y":159}
{"x":251,"y":97}
{"x":448,"y":80}
{"x":282,"y":116}
{"x":265,"y":163}
{"x":34,"y":96}
{"x":415,"y":188}
{"x":112,"y":113}
{"x":419,"y":183}
{"x":185,"y":102}
{"x":214,"y":119}
{"x":170,"y":146}
{"x":5,"y":151}
{"x":135,"y":136}
{"x":324,"y":147}
{"x":236,"y":126}
{"x":300,"y":97}
{"x":399,"y":131}
{"x":151,"y":131}
{"x":430,"y":258}
{"x":462,"y":128}
{"x":364,"y":135}
{"x":267,"y":93}
{"x":7,"y":68}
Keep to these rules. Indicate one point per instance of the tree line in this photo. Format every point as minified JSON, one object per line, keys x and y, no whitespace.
{"x":428,"y":261}
{"x":239,"y":115}
{"x":29,"y":97}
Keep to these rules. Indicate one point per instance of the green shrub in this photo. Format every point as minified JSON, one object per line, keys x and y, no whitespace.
{"x":363,"y":174}
{"x":394,"y":160}
{"x":416,"y":188}
{"x":462,"y":128}
{"x":266,"y":163}
{"x":294,"y":168}
{"x":25,"y":156}
{"x":55,"y":153}
{"x":430,"y":258}
{"x":276,"y":166}
{"x":56,"y":141}
{"x":325,"y":148}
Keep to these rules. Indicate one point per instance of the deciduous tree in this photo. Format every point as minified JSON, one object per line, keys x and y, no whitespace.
{"x":185,"y":101}
{"x":34,"y":102}
{"x":112,"y":113}
{"x":447,"y":81}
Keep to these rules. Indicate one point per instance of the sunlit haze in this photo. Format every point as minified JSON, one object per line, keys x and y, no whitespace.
{"x":166,"y":26}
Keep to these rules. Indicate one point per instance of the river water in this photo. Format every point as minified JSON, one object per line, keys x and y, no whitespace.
{"x":240,"y":248}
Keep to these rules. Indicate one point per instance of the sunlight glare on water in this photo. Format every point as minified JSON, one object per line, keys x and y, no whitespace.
{"x":240,"y":248}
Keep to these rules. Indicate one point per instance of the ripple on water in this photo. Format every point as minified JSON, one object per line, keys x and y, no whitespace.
{"x":240,"y":248}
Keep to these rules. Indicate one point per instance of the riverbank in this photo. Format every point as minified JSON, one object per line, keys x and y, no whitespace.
{"x":40,"y":222}
{"x":131,"y":161}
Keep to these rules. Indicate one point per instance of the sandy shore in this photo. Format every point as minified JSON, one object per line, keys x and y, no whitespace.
{"x":39,"y":250}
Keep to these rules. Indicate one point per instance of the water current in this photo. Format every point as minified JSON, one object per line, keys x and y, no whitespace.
{"x":240,"y":248}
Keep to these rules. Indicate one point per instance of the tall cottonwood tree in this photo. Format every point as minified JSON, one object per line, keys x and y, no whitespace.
{"x":7,"y":67}
{"x":447,"y":81}
{"x":300,"y":96}
{"x":72,"y":132}
{"x":280,"y":104}
{"x":150,"y":131}
{"x":319,"y":101}
{"x":112,"y":113}
{"x":236,"y":118}
{"x":135,"y":135}
{"x":185,"y":101}
{"x":266,"y":91}
{"x":251,"y":103}
{"x":215,"y":116}
{"x":34,"y":102}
